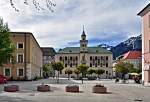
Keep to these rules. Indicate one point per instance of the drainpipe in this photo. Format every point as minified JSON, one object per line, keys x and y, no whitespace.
{"x":25,"y":62}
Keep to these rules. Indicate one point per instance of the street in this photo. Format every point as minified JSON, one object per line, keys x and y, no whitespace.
{"x":116,"y":92}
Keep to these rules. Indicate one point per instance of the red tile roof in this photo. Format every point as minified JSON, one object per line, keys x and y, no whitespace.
{"x":132,"y":55}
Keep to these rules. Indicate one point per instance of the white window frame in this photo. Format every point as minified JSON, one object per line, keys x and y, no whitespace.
{"x":5,"y":69}
{"x":18,"y":72}
{"x":20,"y":43}
{"x":20,"y":54}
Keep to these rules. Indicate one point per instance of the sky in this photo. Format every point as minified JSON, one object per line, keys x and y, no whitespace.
{"x":105,"y":21}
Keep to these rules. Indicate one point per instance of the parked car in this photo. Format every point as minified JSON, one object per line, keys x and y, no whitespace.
{"x":3,"y":79}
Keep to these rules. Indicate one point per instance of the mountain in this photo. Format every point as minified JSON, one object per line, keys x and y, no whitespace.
{"x":133,"y":43}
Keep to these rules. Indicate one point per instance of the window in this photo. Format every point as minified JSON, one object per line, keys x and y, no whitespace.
{"x":20,"y":58}
{"x":20,"y":72}
{"x":70,"y":58}
{"x":65,"y":65}
{"x":76,"y":58}
{"x":90,"y":64}
{"x":65,"y":58}
{"x":96,"y":58}
{"x":95,"y":64}
{"x":106,"y":64}
{"x":106,"y":58}
{"x":71,"y":65}
{"x":106,"y":72}
{"x":20,"y":45}
{"x":90,"y":57}
{"x":7,"y":72}
{"x":60,"y":58}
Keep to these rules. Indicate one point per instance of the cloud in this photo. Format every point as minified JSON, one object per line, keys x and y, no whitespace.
{"x":110,"y":21}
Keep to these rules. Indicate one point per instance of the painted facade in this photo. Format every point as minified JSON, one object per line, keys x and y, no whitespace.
{"x":133,"y":57}
{"x":94,"y":57}
{"x":145,"y":14}
{"x":28,"y":58}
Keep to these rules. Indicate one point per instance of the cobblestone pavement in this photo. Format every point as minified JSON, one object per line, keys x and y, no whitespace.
{"x":117,"y":92}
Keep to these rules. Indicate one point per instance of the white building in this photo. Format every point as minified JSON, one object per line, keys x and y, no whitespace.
{"x":133,"y":57}
{"x":95,"y":57}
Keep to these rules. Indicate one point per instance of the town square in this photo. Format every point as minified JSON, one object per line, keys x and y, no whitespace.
{"x":74,"y":50}
{"x":116,"y":92}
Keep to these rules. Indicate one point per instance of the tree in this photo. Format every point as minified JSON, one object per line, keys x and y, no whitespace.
{"x":77,"y":72}
{"x":139,"y":68}
{"x":83,"y":69}
{"x":6,"y":46}
{"x":58,"y":66}
{"x":91,"y":71}
{"x":99,"y":72}
{"x":123,"y":68}
{"x":48,"y":5}
{"x":47,"y":70}
{"x":68,"y":71}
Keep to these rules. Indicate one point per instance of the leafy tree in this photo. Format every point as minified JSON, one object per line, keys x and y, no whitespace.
{"x":124,"y":68}
{"x":47,"y":70}
{"x":6,"y":47}
{"x":139,"y":68}
{"x":83,"y":69}
{"x":77,"y":72}
{"x":133,"y":70}
{"x":68,"y":71}
{"x":99,"y":72}
{"x":58,"y":66}
{"x":91,"y":71}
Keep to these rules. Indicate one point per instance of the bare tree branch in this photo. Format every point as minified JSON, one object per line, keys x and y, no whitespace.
{"x":13,"y":6}
{"x":49,"y":5}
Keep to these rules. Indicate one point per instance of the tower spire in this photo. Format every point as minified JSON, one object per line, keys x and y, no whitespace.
{"x":83,"y":33}
{"x":83,"y":27}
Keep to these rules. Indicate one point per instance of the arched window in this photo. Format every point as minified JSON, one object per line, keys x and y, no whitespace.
{"x":60,"y":58}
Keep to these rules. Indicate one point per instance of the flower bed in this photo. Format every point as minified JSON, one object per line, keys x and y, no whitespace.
{"x":99,"y":89}
{"x":11,"y":88}
{"x":43,"y":88}
{"x":72,"y":88}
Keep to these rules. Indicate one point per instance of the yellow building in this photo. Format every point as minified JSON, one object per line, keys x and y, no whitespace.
{"x":94,"y":57}
{"x":28,"y":58}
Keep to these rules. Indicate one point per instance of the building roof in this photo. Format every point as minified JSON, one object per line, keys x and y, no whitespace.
{"x":76,"y":50}
{"x":144,"y":11}
{"x":48,"y":51}
{"x":83,"y":33}
{"x":132,"y":55}
{"x":25,"y":33}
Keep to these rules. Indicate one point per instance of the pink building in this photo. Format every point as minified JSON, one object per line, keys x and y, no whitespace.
{"x":145,"y":14}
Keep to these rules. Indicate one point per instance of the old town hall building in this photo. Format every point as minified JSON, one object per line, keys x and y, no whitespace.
{"x":94,"y":57}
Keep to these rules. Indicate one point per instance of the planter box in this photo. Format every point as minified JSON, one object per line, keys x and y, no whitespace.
{"x":99,"y":89}
{"x":11,"y":88}
{"x":74,"y":88}
{"x":43,"y":88}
